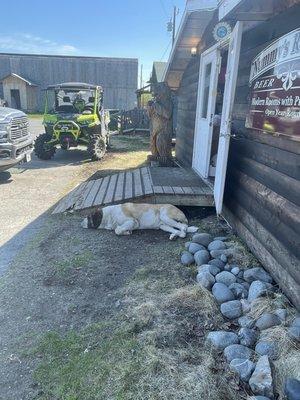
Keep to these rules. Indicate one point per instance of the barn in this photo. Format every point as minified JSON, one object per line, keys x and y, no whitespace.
{"x":24,"y":76}
{"x":235,"y":69}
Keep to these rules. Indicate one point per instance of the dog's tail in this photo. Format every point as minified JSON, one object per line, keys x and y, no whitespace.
{"x":192,"y":229}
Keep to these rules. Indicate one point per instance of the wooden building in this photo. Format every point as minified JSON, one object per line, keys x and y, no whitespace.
{"x":235,"y":68}
{"x":24,"y":76}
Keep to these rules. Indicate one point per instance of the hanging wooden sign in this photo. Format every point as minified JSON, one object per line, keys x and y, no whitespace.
{"x":275,"y":88}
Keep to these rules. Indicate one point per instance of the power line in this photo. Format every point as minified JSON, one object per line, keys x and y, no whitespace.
{"x":167,"y":48}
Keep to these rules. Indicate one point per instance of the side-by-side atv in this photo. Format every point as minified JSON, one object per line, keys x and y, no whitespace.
{"x":74,"y":115}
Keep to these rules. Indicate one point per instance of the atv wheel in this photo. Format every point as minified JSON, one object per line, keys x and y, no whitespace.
{"x":41,"y":150}
{"x":97,"y":147}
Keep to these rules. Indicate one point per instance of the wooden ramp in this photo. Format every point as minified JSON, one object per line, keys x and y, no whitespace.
{"x":176,"y":186}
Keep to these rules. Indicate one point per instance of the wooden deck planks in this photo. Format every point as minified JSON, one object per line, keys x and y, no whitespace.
{"x":146,"y":178}
{"x":138,"y":189}
{"x":120,"y":187}
{"x":102,"y":191}
{"x":128,"y":194}
{"x":92,"y":194}
{"x":138,"y":183}
{"x":111,"y":189}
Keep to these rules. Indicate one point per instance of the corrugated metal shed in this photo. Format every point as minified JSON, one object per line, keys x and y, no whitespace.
{"x":117,"y":76}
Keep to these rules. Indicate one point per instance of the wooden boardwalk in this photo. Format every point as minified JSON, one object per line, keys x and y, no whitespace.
{"x":176,"y":186}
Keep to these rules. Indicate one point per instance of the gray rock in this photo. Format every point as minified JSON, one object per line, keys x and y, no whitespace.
{"x":205,"y":279}
{"x":187,"y":258}
{"x":235,"y":271}
{"x":292,"y":389}
{"x":267,"y":320}
{"x":222,"y":339}
{"x":223,"y":258}
{"x":261,"y":382}
{"x":258,"y":398}
{"x":223,"y":238}
{"x":281,"y":314}
{"x":218,"y":254}
{"x":246,"y":322}
{"x":221,"y":293}
{"x":258,"y":289}
{"x":227,"y":268}
{"x":267,"y":348}
{"x":237,"y":351}
{"x":248,"y":337}
{"x":232,"y":309}
{"x":194,"y":247}
{"x":257,"y":274}
{"x":225,"y":277}
{"x":201,"y":257}
{"x":238,"y":290}
{"x":202,"y":238}
{"x":241,"y":275}
{"x":187,"y":245}
{"x":212,"y":269}
{"x":216,"y":262}
{"x":294,"y":329}
{"x":242,"y":367}
{"x":216,"y":245}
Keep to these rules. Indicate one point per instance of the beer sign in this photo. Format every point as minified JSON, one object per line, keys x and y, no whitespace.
{"x":275,"y":88}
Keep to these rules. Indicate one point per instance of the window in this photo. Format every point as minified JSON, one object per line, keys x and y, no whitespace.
{"x":206,"y":89}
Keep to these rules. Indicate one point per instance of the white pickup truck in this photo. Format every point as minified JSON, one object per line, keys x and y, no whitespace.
{"x":16,"y":143}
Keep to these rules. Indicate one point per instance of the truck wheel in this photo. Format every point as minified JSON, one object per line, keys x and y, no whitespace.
{"x":97,"y":147}
{"x":41,"y":150}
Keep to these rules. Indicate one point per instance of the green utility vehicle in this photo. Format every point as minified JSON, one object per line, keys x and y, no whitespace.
{"x":74,"y":115}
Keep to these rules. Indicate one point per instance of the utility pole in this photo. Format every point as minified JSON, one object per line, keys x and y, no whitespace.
{"x":175,"y":12}
{"x":141,"y":77}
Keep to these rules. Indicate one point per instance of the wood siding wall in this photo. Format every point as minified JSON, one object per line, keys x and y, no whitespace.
{"x":186,"y":113}
{"x":262,"y":194}
{"x":118,"y":76}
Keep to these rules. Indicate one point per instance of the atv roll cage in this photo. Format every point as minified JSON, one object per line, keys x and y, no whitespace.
{"x":72,"y":98}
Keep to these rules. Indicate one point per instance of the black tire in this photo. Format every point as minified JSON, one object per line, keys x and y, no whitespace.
{"x":39,"y":147}
{"x":96,"y":147}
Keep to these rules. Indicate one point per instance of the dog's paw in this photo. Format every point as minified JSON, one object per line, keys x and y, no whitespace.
{"x":192,"y":229}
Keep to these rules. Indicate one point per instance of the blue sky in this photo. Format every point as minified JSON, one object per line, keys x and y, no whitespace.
{"x":114,"y":28}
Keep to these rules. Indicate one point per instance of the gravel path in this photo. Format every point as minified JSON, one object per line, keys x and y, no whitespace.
{"x":30,"y":191}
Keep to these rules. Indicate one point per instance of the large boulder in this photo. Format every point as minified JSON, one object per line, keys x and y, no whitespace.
{"x":258,"y":289}
{"x":248,"y":337}
{"x":237,"y":351}
{"x":292,"y":389}
{"x":232,"y":309}
{"x":205,"y":279}
{"x":261,"y":381}
{"x":187,"y":258}
{"x":257,"y":274}
{"x":216,"y":245}
{"x":267,"y":348}
{"x":243,"y":368}
{"x":202,"y":238}
{"x":221,"y":293}
{"x":201,"y":257}
{"x":226,"y":277}
{"x":222,"y":339}
{"x":194,"y":247}
{"x":267,"y":320}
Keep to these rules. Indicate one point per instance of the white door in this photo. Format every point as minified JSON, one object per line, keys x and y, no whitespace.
{"x":225,"y":129}
{"x":206,"y":103}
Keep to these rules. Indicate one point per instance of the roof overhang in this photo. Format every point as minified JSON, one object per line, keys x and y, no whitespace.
{"x":195,"y":19}
{"x":29,"y":83}
{"x":74,"y":86}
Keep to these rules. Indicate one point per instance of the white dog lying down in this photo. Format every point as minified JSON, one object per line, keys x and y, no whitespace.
{"x":125,"y":218}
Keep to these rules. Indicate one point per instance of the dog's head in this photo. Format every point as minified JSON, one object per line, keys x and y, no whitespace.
{"x":93,"y":221}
